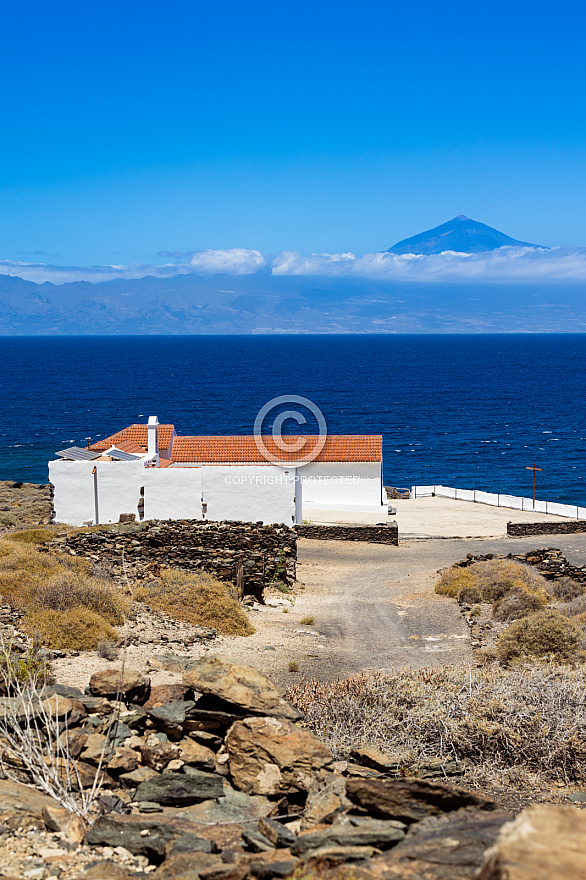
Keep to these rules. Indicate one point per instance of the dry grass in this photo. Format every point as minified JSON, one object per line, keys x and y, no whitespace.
{"x":529,"y":718}
{"x":307,"y":621}
{"x":108,"y":649}
{"x":78,"y":629}
{"x":35,"y":737}
{"x":199,"y":599}
{"x":31,"y":536}
{"x":543,"y":634}
{"x":69,"y":590}
{"x":490,"y":581}
{"x":51,"y":590}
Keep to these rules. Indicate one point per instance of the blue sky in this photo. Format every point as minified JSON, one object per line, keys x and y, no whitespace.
{"x":133,"y":128}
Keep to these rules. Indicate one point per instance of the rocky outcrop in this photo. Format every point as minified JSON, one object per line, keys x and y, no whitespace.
{"x":126,"y":684}
{"x":210,"y":780}
{"x":240,"y":685}
{"x":272,"y":756}
{"x":542,"y":843}
{"x":410,"y":800}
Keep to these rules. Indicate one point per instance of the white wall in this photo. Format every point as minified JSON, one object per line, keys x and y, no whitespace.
{"x":172,"y":493}
{"x":342,"y":486}
{"x":248,"y":494}
{"x":571,"y":511}
{"x":118,"y":490}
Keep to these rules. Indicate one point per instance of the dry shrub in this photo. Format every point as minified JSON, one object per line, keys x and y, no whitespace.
{"x":518,"y":602}
{"x":68,"y":590}
{"x":49,"y":587}
{"x":453,"y":580}
{"x":565,"y":589}
{"x":580,"y":619}
{"x":574,"y":607}
{"x":23,"y":569}
{"x":107,"y":649}
{"x":491,"y":581}
{"x":199,"y":599}
{"x":78,"y":629}
{"x":545,"y":633}
{"x":31,"y":536}
{"x":529,"y":717}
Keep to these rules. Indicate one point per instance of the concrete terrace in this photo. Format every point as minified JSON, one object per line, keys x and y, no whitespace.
{"x":433,"y":517}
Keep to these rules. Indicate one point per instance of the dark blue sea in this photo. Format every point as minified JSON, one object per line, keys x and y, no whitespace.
{"x":468,"y":411}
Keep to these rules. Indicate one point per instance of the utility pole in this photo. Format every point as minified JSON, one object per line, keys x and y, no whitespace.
{"x":534,"y":468}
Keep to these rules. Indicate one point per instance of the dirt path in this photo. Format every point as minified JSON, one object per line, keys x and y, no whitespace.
{"x":375,"y":612}
{"x":373,"y":607}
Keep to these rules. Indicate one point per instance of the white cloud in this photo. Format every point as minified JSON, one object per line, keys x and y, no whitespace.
{"x":236,"y":261}
{"x":515,"y":265}
{"x":504,"y":264}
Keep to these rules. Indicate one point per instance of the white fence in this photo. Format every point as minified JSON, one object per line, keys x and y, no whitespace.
{"x":513,"y":501}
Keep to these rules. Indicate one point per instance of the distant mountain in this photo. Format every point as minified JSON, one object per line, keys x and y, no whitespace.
{"x":245,"y":304}
{"x":460,"y":234}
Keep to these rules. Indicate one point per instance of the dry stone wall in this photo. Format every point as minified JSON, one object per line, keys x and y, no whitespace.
{"x":249,"y":555}
{"x":551,"y":563}
{"x":522,"y":530}
{"x":383,"y":534}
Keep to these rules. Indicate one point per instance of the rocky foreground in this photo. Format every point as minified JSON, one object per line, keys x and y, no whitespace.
{"x":216,"y":778}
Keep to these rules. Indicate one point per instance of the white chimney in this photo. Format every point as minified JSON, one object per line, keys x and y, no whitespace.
{"x":153,"y":431}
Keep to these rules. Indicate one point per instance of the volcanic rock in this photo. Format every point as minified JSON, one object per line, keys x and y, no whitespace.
{"x":240,"y":685}
{"x":272,"y":756}
{"x":543,"y":842}
{"x":178,"y":789}
{"x":410,"y":800}
{"x":127,"y":684}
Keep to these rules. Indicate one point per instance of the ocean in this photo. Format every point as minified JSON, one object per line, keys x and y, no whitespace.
{"x":472,"y":411}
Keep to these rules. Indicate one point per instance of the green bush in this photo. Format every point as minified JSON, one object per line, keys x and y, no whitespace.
{"x":543,"y":634}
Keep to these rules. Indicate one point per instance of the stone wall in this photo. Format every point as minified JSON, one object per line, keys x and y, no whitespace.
{"x":522,"y":530}
{"x":387,"y":534}
{"x":260,"y":554}
{"x":551,"y":563}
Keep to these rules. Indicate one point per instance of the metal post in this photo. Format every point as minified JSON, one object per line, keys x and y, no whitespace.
{"x":534,"y":468}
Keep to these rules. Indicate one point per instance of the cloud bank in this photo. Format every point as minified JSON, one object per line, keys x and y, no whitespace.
{"x":507,"y":264}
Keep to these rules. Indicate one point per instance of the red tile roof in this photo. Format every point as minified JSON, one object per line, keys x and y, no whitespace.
{"x":138,"y":434}
{"x":129,"y":446}
{"x":243,"y":450}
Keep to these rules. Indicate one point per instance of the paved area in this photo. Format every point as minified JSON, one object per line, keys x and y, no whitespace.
{"x":347,"y":517}
{"x":438,"y":518}
{"x":445,"y":518}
